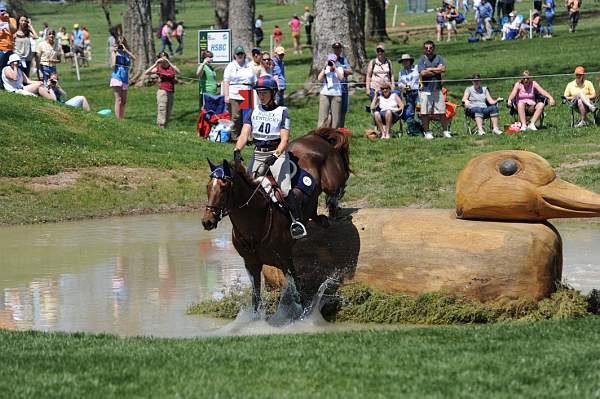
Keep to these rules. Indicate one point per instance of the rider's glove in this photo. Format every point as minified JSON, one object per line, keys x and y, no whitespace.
{"x":271,"y":160}
{"x":237,"y":156}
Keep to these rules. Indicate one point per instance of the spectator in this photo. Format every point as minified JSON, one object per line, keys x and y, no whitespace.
{"x":178,"y":35}
{"x":452,"y":16}
{"x":266,"y":66}
{"x":44,"y":31}
{"x":49,"y":55}
{"x":23,"y":38}
{"x":379,"y":71}
{"x":485,"y":18}
{"x":119,"y":80}
{"x":549,"y":12}
{"x":8,"y":27}
{"x":238,"y":76}
{"x":573,"y":7}
{"x":295,"y":26}
{"x":343,"y":62}
{"x":509,"y":6}
{"x":525,"y":93}
{"x":535,"y":24}
{"x":279,"y":75}
{"x":512,"y":29}
{"x":113,"y":34}
{"x":60,"y":94}
{"x":77,"y":41}
{"x":255,"y":63}
{"x":465,"y":7}
{"x":64,"y":42}
{"x":478,"y":100}
{"x":166,"y":72}
{"x":408,"y":83}
{"x":537,"y":5}
{"x":259,"y":34}
{"x":207,"y":75}
{"x":476,"y":4}
{"x":431,"y":66}
{"x":277,"y":36}
{"x":330,"y":98}
{"x":440,"y":23}
{"x":165,"y":37}
{"x":15,"y":81}
{"x":581,"y":93}
{"x":309,"y":19}
{"x":387,"y":109}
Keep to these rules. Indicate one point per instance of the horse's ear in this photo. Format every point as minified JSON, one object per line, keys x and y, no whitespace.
{"x":226,"y":168}
{"x":212,"y":165}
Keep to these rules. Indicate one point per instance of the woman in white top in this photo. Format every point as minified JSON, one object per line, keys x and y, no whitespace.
{"x":238,"y":75}
{"x":330,"y":99}
{"x":388,"y":106}
{"x":14,"y":80}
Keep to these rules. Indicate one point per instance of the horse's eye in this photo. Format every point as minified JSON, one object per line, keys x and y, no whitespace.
{"x":509,"y":167}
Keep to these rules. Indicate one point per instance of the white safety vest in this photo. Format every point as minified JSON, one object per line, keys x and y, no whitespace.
{"x":267,"y":125}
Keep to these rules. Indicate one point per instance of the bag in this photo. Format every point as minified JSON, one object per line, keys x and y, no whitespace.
{"x":414,"y":128}
{"x":311,"y":18}
{"x":460,"y":18}
{"x":221,"y":132}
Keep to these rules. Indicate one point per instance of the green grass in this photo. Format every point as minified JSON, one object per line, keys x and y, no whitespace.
{"x":507,"y":360}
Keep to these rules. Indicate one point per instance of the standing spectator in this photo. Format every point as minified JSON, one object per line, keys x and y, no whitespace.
{"x":581,"y":93}
{"x":259,"y":34}
{"x":77,"y":41}
{"x":165,"y":37}
{"x":386,"y":109}
{"x":295,"y":24}
{"x":525,"y":92}
{"x":87,"y":48}
{"x":379,"y":71}
{"x":238,"y":76}
{"x":465,"y":7}
{"x":440,"y":23}
{"x":500,"y":9}
{"x":279,"y":75}
{"x":431,"y":66}
{"x":451,"y":15}
{"x":113,"y":34}
{"x":345,"y":65}
{"x":178,"y":35}
{"x":537,"y":5}
{"x":119,"y":80}
{"x":549,"y":12}
{"x":166,"y":90}
{"x":509,"y":6}
{"x":478,"y":100}
{"x":65,"y":42}
{"x":207,"y":76}
{"x":573,"y":7}
{"x":485,"y":18}
{"x":309,"y":19}
{"x":255,"y":63}
{"x":408,"y":83}
{"x":330,"y":98}
{"x":49,"y":56}
{"x":277,"y":36}
{"x":8,"y":27}
{"x":23,"y":38}
{"x":266,"y":66}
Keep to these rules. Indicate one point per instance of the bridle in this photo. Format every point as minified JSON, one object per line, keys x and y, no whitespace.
{"x":219,"y":212}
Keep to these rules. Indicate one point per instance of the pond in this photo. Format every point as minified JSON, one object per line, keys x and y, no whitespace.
{"x":138,"y":275}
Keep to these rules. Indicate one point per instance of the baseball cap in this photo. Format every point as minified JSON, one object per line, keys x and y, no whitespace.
{"x":75,"y":26}
{"x":512,"y":14}
{"x":332,"y":57}
{"x":256,"y":51}
{"x":336,"y":45}
{"x":3,"y":7}
{"x":579,"y":70}
{"x":13,"y":57}
{"x":279,"y":50}
{"x":239,"y":50}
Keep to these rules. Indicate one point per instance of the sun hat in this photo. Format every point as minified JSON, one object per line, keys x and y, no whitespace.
{"x":3,"y":7}
{"x":75,"y":26}
{"x":332,"y":57}
{"x":511,"y":14}
{"x":579,"y":70}
{"x":13,"y":58}
{"x":239,"y":50}
{"x":279,"y":50}
{"x":406,"y":57}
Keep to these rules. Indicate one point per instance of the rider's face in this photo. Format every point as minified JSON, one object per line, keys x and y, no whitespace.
{"x":264,"y":96}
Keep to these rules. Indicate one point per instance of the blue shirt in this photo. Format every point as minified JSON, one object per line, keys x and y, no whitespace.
{"x":485,"y":10}
{"x":550,"y":11}
{"x":343,"y":62}
{"x":78,"y":37}
{"x":409,"y":77}
{"x":121,"y":68}
{"x":279,"y":71}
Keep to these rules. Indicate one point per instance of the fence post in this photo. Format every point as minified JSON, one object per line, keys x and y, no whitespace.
{"x":395,"y":12}
{"x":76,"y":65}
{"x":530,"y":24}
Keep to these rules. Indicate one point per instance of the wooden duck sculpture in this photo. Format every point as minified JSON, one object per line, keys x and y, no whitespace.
{"x":497,"y":244}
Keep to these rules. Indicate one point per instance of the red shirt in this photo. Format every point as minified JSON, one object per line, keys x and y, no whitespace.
{"x":167,"y":78}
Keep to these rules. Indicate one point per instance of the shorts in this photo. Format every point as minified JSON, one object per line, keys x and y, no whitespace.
{"x":296,"y":35}
{"x":485,"y":112}
{"x":395,"y":115}
{"x":117,"y":83}
{"x":529,"y":108}
{"x":432,"y":103}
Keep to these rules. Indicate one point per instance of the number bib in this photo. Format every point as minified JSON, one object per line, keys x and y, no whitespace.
{"x":267,"y":125}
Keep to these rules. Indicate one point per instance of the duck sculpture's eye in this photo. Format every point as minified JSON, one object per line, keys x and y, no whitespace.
{"x":509,"y":167}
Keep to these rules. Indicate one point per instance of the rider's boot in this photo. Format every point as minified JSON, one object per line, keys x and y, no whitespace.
{"x":297,"y":229}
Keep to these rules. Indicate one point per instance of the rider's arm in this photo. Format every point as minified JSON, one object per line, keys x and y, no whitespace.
{"x":244,"y":135}
{"x":285,"y":136}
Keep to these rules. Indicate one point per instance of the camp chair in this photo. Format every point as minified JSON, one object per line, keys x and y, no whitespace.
{"x":538,"y":99}
{"x":575,"y":111}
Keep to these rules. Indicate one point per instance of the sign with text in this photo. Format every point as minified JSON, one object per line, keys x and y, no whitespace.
{"x":216,"y":41}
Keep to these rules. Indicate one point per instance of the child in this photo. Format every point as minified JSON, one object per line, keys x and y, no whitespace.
{"x":277,"y":36}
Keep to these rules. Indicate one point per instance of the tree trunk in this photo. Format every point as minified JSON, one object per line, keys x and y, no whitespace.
{"x":140,"y":39}
{"x":241,"y":23}
{"x":357,"y":33}
{"x":376,"y":21}
{"x":221,"y":14}
{"x":105,"y":4}
{"x":16,"y":8}
{"x":167,"y":11}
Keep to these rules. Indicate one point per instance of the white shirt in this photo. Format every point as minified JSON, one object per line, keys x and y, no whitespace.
{"x":331,"y":84}
{"x":239,"y":78}
{"x":388,"y":104}
{"x":409,"y":78}
{"x":12,"y":85}
{"x":258,"y":23}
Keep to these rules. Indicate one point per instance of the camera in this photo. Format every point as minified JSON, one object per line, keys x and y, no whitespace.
{"x":53,"y":82}
{"x":330,"y":63}
{"x":120,"y":47}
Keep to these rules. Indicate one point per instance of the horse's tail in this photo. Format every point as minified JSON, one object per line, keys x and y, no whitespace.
{"x":339,"y":140}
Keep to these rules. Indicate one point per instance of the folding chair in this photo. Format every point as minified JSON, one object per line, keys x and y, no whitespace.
{"x":575,"y":111}
{"x":538,"y":99}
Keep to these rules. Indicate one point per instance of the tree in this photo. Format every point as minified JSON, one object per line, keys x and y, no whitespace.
{"x":241,"y":22}
{"x":376,"y":21}
{"x":140,"y":39}
{"x":167,"y":11}
{"x":15,"y":7}
{"x":221,"y":14}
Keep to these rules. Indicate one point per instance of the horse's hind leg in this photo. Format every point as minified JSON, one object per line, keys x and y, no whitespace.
{"x":289,"y":308}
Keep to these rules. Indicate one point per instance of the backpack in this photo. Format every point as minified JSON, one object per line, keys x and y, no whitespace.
{"x":159,"y":32}
{"x":311,"y":18}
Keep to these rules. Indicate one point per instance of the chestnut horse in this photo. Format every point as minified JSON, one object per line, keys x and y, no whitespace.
{"x":261,"y":232}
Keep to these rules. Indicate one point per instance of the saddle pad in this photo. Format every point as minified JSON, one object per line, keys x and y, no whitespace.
{"x":304,"y":181}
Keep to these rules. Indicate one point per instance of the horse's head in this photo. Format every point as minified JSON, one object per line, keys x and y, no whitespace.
{"x":218,"y":191}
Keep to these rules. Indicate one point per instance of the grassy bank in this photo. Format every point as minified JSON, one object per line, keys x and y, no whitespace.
{"x":543,"y":359}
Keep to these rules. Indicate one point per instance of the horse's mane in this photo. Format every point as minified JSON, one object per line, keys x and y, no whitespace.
{"x":240,"y":171}
{"x":338,"y":140}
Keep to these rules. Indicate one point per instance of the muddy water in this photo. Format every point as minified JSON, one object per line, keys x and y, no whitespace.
{"x":137,"y":275}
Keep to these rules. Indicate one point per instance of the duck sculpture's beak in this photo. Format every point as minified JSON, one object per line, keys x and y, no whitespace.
{"x":519,"y":185}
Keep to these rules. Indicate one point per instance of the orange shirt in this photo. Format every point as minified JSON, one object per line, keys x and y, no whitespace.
{"x":6,"y":36}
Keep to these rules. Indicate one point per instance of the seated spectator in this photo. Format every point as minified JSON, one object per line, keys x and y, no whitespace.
{"x":15,"y":80}
{"x":512,"y":29}
{"x":386,"y":107}
{"x":534,"y":24}
{"x":525,"y":97}
{"x":581,"y":93}
{"x":479,"y":102}
{"x":60,"y":95}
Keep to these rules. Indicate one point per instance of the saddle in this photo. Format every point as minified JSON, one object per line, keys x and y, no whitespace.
{"x":301,"y":180}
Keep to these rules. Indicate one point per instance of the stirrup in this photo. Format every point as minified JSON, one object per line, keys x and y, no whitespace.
{"x":297,"y":230}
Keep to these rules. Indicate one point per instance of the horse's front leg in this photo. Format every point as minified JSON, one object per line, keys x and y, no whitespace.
{"x":254,"y":269}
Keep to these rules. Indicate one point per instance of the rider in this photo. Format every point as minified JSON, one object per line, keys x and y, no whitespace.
{"x":269,"y":126}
